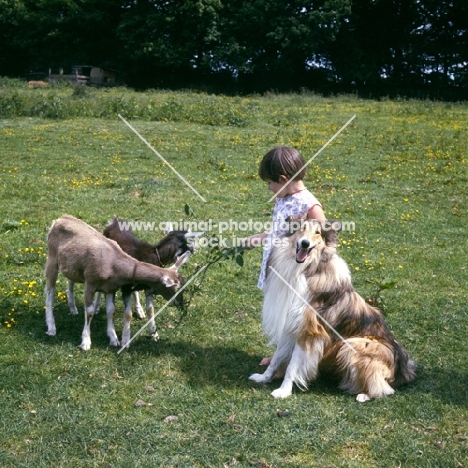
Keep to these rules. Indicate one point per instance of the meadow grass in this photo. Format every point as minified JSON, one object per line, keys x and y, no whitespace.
{"x":399,"y":172}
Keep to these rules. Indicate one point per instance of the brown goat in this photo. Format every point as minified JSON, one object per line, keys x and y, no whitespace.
{"x":84,"y":255}
{"x":167,"y":250}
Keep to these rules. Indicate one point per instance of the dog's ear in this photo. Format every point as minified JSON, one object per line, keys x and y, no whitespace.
{"x":294,"y":223}
{"x":330,"y":230}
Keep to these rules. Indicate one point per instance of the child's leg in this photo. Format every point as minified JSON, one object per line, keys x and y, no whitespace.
{"x":265,"y":361}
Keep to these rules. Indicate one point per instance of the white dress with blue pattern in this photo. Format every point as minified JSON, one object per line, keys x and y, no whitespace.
{"x":295,"y":205}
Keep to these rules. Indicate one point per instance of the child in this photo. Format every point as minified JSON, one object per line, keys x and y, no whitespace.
{"x":282,"y":168}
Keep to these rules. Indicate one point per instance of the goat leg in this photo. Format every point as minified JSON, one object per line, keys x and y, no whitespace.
{"x":51,"y":274}
{"x":126,"y":332}
{"x":150,"y":317}
{"x":50,"y":294}
{"x":71,"y":297}
{"x":89,"y":313}
{"x":97,"y":302}
{"x":138,"y":309}
{"x":110,"y":311}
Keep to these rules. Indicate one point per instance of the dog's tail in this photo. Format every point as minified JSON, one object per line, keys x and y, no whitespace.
{"x":405,"y":368}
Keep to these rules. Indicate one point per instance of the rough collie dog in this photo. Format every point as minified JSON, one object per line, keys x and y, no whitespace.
{"x":319,"y":322}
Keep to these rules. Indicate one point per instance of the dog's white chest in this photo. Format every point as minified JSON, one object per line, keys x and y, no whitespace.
{"x":284,"y":304}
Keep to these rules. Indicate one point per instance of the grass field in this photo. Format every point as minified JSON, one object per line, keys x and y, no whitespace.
{"x":399,"y":172}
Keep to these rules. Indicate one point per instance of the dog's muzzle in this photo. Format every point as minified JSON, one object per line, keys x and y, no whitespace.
{"x":303,"y":249}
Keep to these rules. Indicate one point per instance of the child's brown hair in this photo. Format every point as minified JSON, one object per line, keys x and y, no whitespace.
{"x":282,"y":160}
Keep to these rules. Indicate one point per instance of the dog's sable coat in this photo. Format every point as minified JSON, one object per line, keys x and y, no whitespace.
{"x":307,"y":277}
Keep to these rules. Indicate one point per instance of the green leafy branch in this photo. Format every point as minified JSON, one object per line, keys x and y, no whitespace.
{"x":377,"y":300}
{"x":221,"y":251}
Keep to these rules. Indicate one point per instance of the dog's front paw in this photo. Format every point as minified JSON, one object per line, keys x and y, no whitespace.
{"x":259,"y":378}
{"x":363,"y":397}
{"x":281,"y":393}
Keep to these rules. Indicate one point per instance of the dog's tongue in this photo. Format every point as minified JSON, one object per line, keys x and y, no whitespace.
{"x":301,"y":255}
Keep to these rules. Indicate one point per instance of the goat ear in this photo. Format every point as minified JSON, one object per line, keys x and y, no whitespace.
{"x":168,"y":281}
{"x":181,"y":260}
{"x":190,"y":235}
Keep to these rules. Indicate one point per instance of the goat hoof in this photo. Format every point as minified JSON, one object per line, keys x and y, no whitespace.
{"x":85,"y":346}
{"x":155,"y":336}
{"x":51,"y":332}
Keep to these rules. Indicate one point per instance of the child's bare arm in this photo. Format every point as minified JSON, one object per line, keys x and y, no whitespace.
{"x":254,"y":240}
{"x":316,"y":212}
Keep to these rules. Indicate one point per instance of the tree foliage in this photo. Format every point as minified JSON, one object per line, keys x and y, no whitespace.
{"x":401,"y":43}
{"x":251,"y":45}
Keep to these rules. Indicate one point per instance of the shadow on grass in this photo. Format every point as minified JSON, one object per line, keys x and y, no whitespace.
{"x":448,"y":385}
{"x":224,"y":365}
{"x":221,"y":365}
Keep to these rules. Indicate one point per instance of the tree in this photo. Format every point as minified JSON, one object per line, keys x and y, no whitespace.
{"x":169,"y":39}
{"x":442,"y":38}
{"x":373,"y":46}
{"x":57,"y":33}
{"x":277,"y":41}
{"x":379,"y":45}
{"x":13,"y":45}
